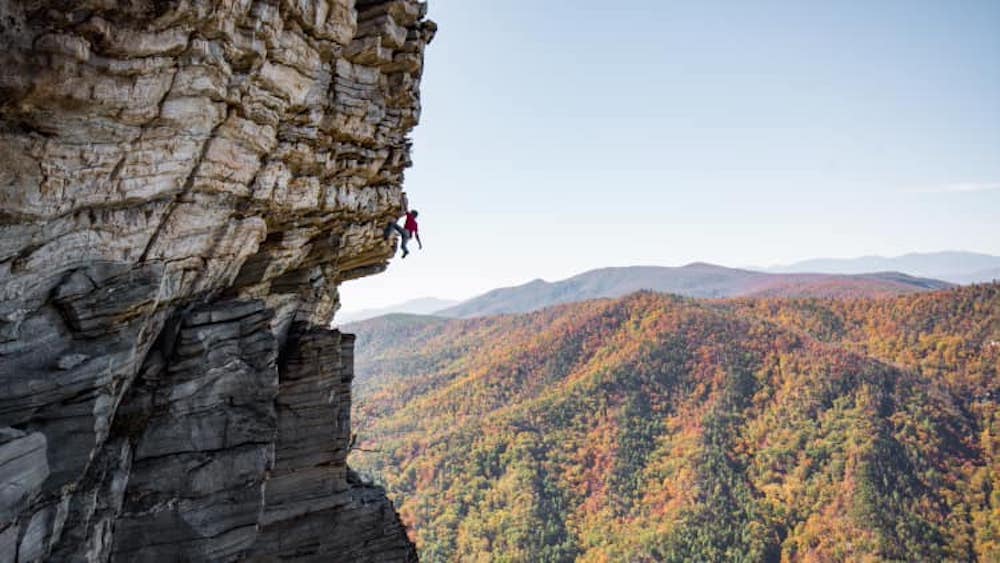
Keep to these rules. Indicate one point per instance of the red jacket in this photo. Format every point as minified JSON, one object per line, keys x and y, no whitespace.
{"x":411,"y":223}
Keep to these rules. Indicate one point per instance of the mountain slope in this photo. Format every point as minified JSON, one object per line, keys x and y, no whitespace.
{"x":655,"y":428}
{"x":693,"y":280}
{"x":952,"y":266}
{"x":979,"y":276}
{"x":421,"y":306}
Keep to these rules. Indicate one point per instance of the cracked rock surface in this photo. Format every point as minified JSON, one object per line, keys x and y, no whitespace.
{"x":183,"y":186}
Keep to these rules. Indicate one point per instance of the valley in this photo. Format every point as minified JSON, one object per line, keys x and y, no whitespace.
{"x":660,"y":428}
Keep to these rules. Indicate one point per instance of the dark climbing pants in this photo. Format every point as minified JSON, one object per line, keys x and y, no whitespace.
{"x":404,"y":235}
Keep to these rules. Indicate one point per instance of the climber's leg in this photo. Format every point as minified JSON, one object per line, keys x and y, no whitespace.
{"x":404,"y":237}
{"x":392,"y":226}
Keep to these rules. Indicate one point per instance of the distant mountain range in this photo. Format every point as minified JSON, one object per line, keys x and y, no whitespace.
{"x":422,"y":306}
{"x":952,"y":266}
{"x":864,"y":276}
{"x":694,"y":280}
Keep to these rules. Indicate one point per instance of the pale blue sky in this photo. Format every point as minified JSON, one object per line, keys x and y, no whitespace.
{"x":565,"y":135}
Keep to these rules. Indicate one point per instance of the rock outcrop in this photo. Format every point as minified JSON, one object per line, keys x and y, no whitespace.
{"x":183,"y":185}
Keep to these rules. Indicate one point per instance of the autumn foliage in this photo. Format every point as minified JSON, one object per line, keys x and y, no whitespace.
{"x":656,"y":428}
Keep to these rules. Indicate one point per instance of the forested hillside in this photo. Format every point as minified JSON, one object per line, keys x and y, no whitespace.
{"x":658,"y":428}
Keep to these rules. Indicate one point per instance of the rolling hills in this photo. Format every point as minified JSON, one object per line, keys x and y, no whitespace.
{"x":660,"y":428}
{"x":694,"y":280}
{"x":952,"y":266}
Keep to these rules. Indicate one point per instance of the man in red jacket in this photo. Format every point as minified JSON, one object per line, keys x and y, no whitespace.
{"x":409,"y":229}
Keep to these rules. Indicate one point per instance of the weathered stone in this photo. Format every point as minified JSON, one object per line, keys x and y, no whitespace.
{"x":207,"y":443}
{"x":184,"y":184}
{"x":8,"y":544}
{"x":311,"y":491}
{"x":108,"y":295}
{"x":23,"y":469}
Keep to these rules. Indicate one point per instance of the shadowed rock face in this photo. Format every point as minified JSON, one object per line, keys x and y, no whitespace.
{"x":183,"y":185}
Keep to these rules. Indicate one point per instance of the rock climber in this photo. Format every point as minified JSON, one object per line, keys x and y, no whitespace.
{"x":409,"y":229}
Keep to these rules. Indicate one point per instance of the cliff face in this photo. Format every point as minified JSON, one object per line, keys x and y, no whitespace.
{"x":183,"y":186}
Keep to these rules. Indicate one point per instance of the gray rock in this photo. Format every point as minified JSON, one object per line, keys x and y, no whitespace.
{"x":313,"y":507}
{"x":8,"y":544}
{"x":23,"y":469}
{"x":207,"y":441}
{"x":70,"y":361}
{"x":184,"y":185}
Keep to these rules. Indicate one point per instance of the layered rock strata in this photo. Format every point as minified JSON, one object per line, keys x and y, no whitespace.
{"x":183,"y":185}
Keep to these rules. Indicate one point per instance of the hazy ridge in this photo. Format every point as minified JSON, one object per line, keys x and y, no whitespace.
{"x":693,"y":280}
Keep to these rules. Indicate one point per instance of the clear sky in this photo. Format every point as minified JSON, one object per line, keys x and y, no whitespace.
{"x":565,"y":135}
